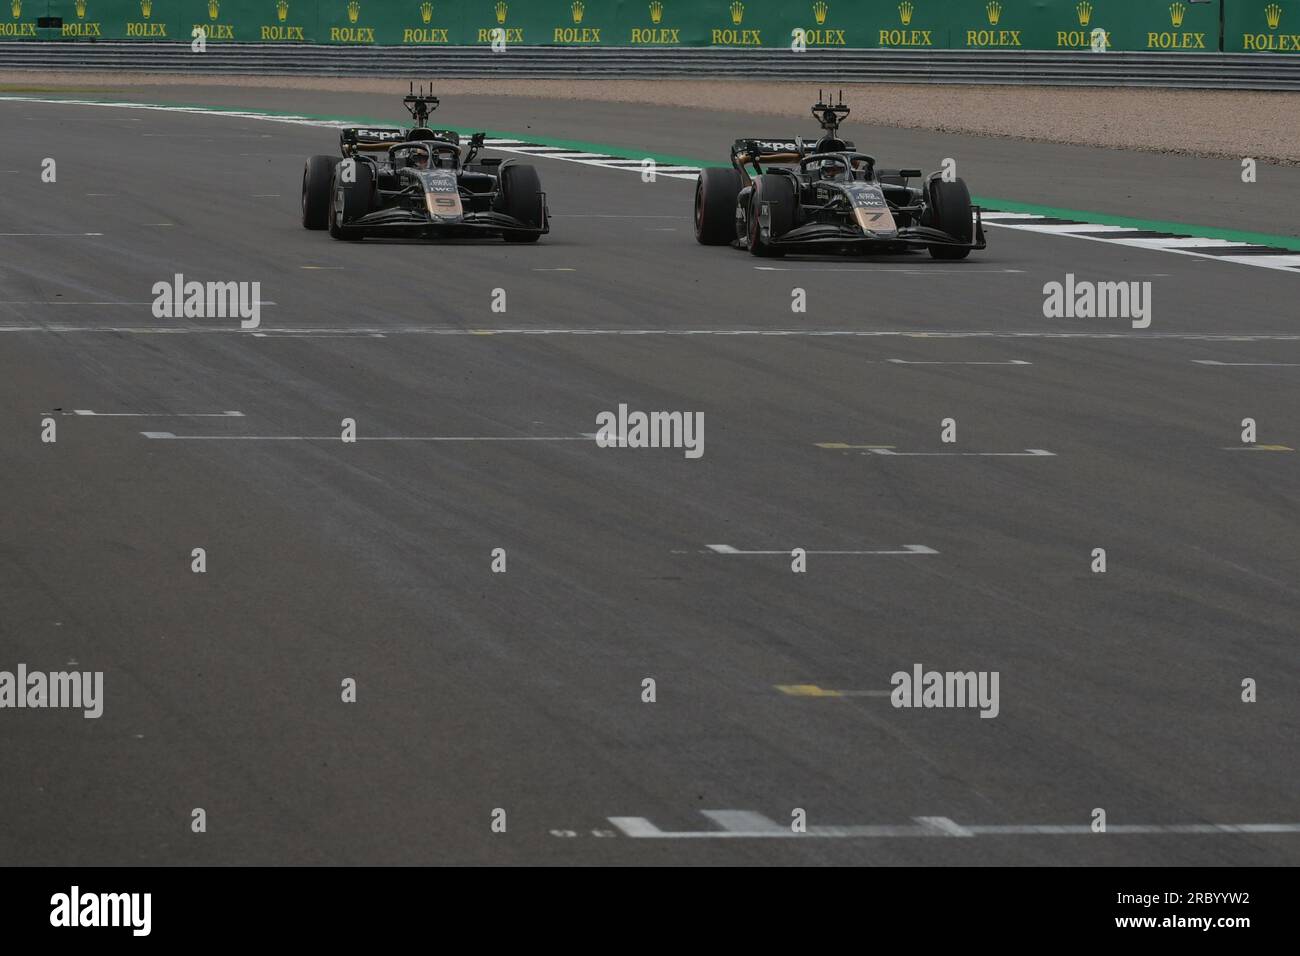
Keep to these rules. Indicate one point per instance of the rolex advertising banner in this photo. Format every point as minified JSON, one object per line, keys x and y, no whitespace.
{"x":1261,"y":26}
{"x":1007,"y":25}
{"x":19,"y":20}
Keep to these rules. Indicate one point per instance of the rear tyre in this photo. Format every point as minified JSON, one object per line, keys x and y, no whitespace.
{"x":348,"y":202}
{"x":949,"y":209}
{"x":715,"y":206}
{"x":521,"y":198}
{"x":316,"y":177}
{"x":779,"y":195}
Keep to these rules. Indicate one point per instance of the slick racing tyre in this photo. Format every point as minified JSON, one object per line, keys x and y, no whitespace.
{"x":715,"y":206}
{"x":521,"y":198}
{"x":949,"y":209}
{"x":779,"y":195}
{"x":349,"y":201}
{"x":316,"y":176}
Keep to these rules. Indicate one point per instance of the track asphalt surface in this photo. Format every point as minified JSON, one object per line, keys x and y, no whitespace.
{"x":523,"y":690}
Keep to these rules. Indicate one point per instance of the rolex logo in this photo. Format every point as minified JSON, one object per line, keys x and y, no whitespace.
{"x":214,"y":9}
{"x":905,"y":11}
{"x":282,"y":10}
{"x":80,"y":6}
{"x":994,"y":10}
{"x":1273,"y":14}
{"x":737,"y":12}
{"x":354,"y":11}
{"x":146,"y":8}
{"x":1084,"y":9}
{"x":501,"y":11}
{"x":578,"y":10}
{"x":820,"y":9}
{"x":16,"y":6}
{"x":426,"y":11}
{"x":656,"y":11}
{"x":1176,"y":13}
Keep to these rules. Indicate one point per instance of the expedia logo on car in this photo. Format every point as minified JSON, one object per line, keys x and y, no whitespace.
{"x":379,"y":135}
{"x":777,"y":145}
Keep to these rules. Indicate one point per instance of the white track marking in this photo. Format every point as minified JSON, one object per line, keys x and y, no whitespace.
{"x":1128,"y":236}
{"x":49,"y":235}
{"x":86,"y":411}
{"x":914,"y":271}
{"x":748,"y":824}
{"x":910,"y":362}
{"x":169,"y":436}
{"x":906,"y":549}
{"x":1247,"y":364}
{"x":1027,"y":453}
{"x":305,"y":332}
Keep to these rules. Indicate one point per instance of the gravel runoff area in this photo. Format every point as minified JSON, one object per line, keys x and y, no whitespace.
{"x":1229,"y":123}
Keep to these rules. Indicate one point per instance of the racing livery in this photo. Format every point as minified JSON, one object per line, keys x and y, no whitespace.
{"x":786,"y":195}
{"x":420,"y":183}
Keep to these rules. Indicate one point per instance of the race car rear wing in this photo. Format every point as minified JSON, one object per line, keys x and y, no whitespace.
{"x":766,"y":147}
{"x":369,"y":138}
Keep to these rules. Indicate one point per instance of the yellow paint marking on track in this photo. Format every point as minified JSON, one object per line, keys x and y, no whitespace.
{"x":481,"y":332}
{"x":1259,"y":448}
{"x":806,"y":690}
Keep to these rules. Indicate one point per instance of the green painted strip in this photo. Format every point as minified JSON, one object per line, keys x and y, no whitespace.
{"x":1000,"y":205}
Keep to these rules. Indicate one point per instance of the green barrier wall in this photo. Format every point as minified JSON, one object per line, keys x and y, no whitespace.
{"x":1170,"y":25}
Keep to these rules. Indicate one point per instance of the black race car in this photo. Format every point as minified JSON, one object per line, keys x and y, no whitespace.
{"x":420,"y":183}
{"x":786,"y":195}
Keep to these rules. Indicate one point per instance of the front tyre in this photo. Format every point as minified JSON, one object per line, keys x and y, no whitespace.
{"x":950,"y":210}
{"x":317,"y":175}
{"x":778,"y":193}
{"x":715,"y":206}
{"x":348,"y":202}
{"x":521,"y":198}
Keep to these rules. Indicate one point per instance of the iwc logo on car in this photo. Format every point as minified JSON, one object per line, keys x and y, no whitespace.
{"x":905,"y":35}
{"x":1172,"y":40}
{"x":80,"y":27}
{"x":656,"y":34}
{"x":1272,"y":42}
{"x":737,"y":34}
{"x":993,"y":10}
{"x":426,"y":32}
{"x":282,"y":29}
